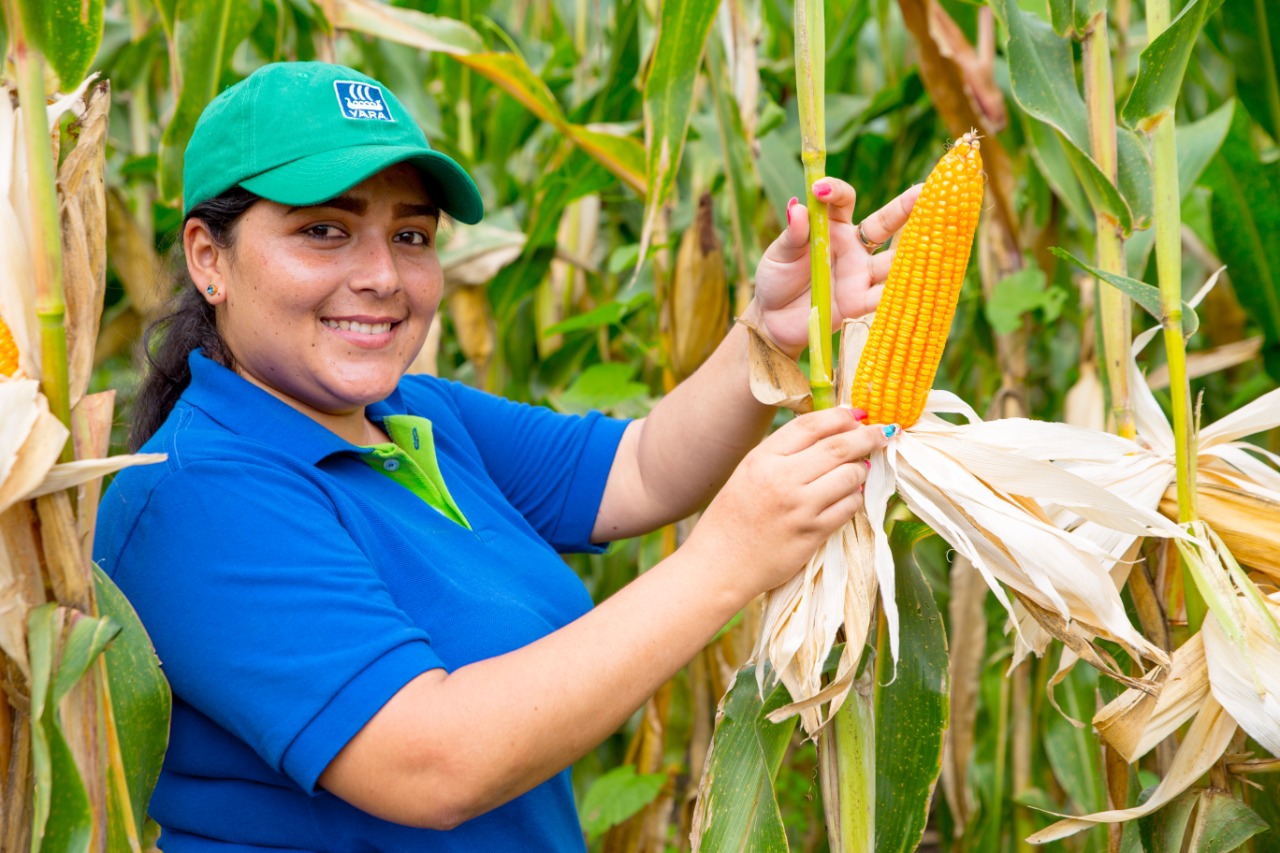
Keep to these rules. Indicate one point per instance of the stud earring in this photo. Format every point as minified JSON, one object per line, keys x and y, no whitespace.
{"x":211,"y":290}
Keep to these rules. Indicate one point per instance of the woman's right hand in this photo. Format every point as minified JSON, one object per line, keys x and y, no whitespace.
{"x":785,"y":498}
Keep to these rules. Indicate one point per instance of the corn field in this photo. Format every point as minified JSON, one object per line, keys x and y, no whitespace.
{"x":1056,"y":624}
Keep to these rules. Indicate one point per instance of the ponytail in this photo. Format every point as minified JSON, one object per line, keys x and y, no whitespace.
{"x":187,"y":324}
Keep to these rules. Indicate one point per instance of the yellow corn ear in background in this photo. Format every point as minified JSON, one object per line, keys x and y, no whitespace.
{"x":896,"y":370}
{"x":8,"y":351}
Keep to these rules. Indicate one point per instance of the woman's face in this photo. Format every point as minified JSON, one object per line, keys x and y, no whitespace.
{"x":325,"y":306}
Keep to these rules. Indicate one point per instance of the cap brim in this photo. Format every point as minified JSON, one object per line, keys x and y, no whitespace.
{"x":311,"y":180}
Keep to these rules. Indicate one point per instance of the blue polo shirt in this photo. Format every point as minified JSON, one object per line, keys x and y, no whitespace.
{"x":291,"y":589}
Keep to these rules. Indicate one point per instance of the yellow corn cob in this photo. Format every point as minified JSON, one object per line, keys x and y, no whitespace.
{"x":8,"y":351}
{"x":897,"y":366}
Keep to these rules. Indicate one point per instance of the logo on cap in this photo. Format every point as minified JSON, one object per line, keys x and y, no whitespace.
{"x":361,"y":100}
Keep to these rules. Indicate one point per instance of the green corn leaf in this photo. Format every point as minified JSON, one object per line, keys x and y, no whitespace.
{"x":67,"y":32}
{"x":737,"y":806}
{"x":207,"y":32}
{"x":1073,"y":752}
{"x":912,"y":711}
{"x":1042,"y":74}
{"x":616,"y":796}
{"x":1140,"y":292}
{"x":1165,"y":828}
{"x":1253,"y":51}
{"x":683,"y":26}
{"x":1222,"y":824}
{"x":1047,"y":149}
{"x":141,"y":704}
{"x":1246,"y":221}
{"x":62,"y":819}
{"x":1163,"y":65}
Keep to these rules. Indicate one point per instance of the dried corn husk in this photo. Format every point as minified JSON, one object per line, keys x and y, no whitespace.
{"x":1136,"y":720}
{"x":980,"y":487}
{"x":699,"y":301}
{"x":1206,"y":741}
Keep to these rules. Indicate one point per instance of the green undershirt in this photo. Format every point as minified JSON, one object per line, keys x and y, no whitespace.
{"x":410,"y":460}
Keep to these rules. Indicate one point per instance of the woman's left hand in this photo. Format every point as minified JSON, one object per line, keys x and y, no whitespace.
{"x":781,"y":306}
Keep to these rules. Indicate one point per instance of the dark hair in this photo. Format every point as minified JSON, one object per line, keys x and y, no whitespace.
{"x":187,"y":324}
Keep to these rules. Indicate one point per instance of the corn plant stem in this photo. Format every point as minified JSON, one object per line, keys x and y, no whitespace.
{"x":46,"y":235}
{"x":810,"y":88}
{"x":1115,"y":310}
{"x":1168,"y":226}
{"x":848,"y":770}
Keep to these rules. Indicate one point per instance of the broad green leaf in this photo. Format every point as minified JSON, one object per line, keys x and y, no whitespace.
{"x":616,"y":796}
{"x":513,"y":75}
{"x":1042,"y":74}
{"x":1223,"y":823}
{"x":1198,"y":142}
{"x":737,"y":807}
{"x":207,"y":33}
{"x":1144,"y":294}
{"x":1165,"y":829}
{"x":603,"y":386}
{"x":407,"y":26}
{"x":1133,"y":171}
{"x":140,"y":707}
{"x":67,"y":32}
{"x":1047,"y":149}
{"x":621,"y":155}
{"x":61,"y":816}
{"x":1162,"y":66}
{"x":1253,"y":29}
{"x":1073,"y":752}
{"x":1246,"y":222}
{"x":683,"y":26}
{"x":1019,"y":293}
{"x":603,"y":315}
{"x":912,"y":709}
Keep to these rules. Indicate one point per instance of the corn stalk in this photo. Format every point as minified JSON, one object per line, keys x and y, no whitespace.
{"x":846,"y":747}
{"x":47,"y":233}
{"x":1168,"y":227}
{"x":810,"y":85}
{"x":1115,"y":309}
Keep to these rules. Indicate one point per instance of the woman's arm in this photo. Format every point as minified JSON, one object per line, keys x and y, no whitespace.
{"x":450,"y":746}
{"x":671,"y":462}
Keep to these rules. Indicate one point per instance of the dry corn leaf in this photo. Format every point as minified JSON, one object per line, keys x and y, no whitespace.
{"x":36,"y":455}
{"x":776,"y":380}
{"x":1136,"y":720}
{"x":82,"y":203}
{"x":1207,"y":739}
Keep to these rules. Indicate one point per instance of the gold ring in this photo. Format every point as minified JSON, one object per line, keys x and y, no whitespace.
{"x":869,"y":244}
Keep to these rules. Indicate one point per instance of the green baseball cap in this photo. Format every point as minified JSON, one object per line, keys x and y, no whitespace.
{"x":300,"y":133}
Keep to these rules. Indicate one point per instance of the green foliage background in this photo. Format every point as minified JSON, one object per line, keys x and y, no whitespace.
{"x":545,"y":104}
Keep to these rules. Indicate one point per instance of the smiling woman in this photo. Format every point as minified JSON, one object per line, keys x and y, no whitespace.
{"x":352,"y":576}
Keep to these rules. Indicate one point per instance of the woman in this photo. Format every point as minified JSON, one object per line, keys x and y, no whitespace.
{"x":351,"y":576}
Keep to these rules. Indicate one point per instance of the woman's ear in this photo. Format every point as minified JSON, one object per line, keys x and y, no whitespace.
{"x":205,"y":260}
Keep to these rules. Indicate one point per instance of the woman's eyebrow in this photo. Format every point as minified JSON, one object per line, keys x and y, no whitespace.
{"x":348,"y":203}
{"x":402,"y":210}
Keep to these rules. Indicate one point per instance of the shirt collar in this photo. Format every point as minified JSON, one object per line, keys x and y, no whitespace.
{"x":245,"y":409}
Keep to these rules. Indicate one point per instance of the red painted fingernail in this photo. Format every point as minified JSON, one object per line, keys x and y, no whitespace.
{"x":794,"y":201}
{"x":822,"y":189}
{"x":868,"y":461}
{"x":858,"y":414}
